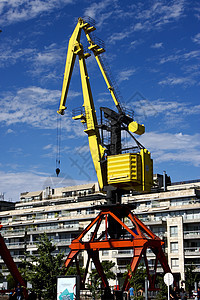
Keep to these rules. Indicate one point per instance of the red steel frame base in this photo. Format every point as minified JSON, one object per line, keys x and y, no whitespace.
{"x":7,"y":258}
{"x":140,"y":239}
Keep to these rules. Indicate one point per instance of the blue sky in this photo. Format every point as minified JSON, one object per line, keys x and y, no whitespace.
{"x":152,"y":48}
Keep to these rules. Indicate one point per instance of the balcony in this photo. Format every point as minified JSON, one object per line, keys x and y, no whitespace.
{"x":14,"y":232}
{"x":56,"y":242}
{"x":153,"y":221}
{"x":192,"y":251}
{"x":191,"y":234}
{"x":15,"y":245}
{"x":122,"y":253}
{"x":57,"y":227}
{"x":16,"y":258}
{"x":62,"y":242}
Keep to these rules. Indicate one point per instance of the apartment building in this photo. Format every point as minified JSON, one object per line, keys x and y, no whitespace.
{"x":174,"y":216}
{"x":62,"y":213}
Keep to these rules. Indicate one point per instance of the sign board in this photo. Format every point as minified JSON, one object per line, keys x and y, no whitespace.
{"x":168,"y":279}
{"x":68,"y":287}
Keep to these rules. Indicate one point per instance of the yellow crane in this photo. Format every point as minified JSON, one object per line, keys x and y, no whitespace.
{"x":114,"y":169}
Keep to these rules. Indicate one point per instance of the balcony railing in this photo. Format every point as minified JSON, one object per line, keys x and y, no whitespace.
{"x":15,"y":244}
{"x":191,"y":233}
{"x":6,"y":232}
{"x":193,"y":250}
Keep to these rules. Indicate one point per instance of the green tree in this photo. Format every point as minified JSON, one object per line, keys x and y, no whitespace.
{"x":73,"y":271}
{"x":41,"y":270}
{"x":137,"y":280}
{"x":162,"y":293}
{"x":11,"y":281}
{"x":190,"y":278}
{"x":95,"y":281}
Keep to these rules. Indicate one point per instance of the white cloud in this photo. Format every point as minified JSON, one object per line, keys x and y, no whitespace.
{"x":157,"y":45}
{"x":159,"y":14}
{"x":9,"y":55}
{"x":21,"y":10}
{"x":118,"y":36}
{"x":95,"y":9}
{"x":28,"y":182}
{"x":36,"y":62}
{"x":196,"y":38}
{"x":168,"y":147}
{"x":136,"y":43}
{"x":181,"y":56}
{"x":54,"y":150}
{"x":197,"y":14}
{"x":125,"y":74}
{"x":153,"y":18}
{"x":172,"y":113}
{"x":50,"y":55}
{"x":9,"y":131}
{"x":177,"y":80}
{"x":47,"y":147}
{"x":33,"y":106}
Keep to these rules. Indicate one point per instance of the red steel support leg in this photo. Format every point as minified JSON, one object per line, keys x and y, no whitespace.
{"x":71,"y":256}
{"x":147,"y":269}
{"x":95,"y":258}
{"x":86,"y":269}
{"x":7,"y":258}
{"x":134,"y":264}
{"x":163,"y":261}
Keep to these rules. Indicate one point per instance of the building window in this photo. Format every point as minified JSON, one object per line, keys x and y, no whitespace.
{"x":157,"y":217}
{"x":105,"y":252}
{"x":174,"y":247}
{"x":51,"y":215}
{"x":175,"y":262}
{"x":90,"y":211}
{"x":173,"y":231}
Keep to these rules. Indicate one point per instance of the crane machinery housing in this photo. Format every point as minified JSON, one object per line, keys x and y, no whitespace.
{"x":119,"y":170}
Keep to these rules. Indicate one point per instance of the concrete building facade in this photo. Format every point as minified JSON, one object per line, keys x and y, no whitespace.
{"x":62,"y":213}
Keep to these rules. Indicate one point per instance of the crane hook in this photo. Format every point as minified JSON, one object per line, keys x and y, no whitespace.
{"x":57,"y":171}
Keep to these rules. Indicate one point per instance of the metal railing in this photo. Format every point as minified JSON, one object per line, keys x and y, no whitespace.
{"x":191,"y":233}
{"x":192,"y":249}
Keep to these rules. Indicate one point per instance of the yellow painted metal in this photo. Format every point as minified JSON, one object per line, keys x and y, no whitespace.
{"x":110,"y":88}
{"x":96,"y":150}
{"x":69,"y":66}
{"x":124,"y":168}
{"x":136,"y":128}
{"x":97,"y":50}
{"x":147,"y":170}
{"x":75,"y":49}
{"x":130,"y":171}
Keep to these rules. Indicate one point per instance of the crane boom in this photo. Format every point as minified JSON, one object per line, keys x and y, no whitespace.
{"x":75,"y":49}
{"x":97,"y":50}
{"x":69,"y":66}
{"x":96,"y":150}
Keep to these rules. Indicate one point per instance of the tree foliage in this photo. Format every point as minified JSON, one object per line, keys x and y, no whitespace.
{"x":162,"y":293}
{"x":73,"y":271}
{"x":137,"y":280}
{"x":11,"y":281}
{"x":190,"y":278}
{"x":95,"y":281}
{"x":41,"y":270}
